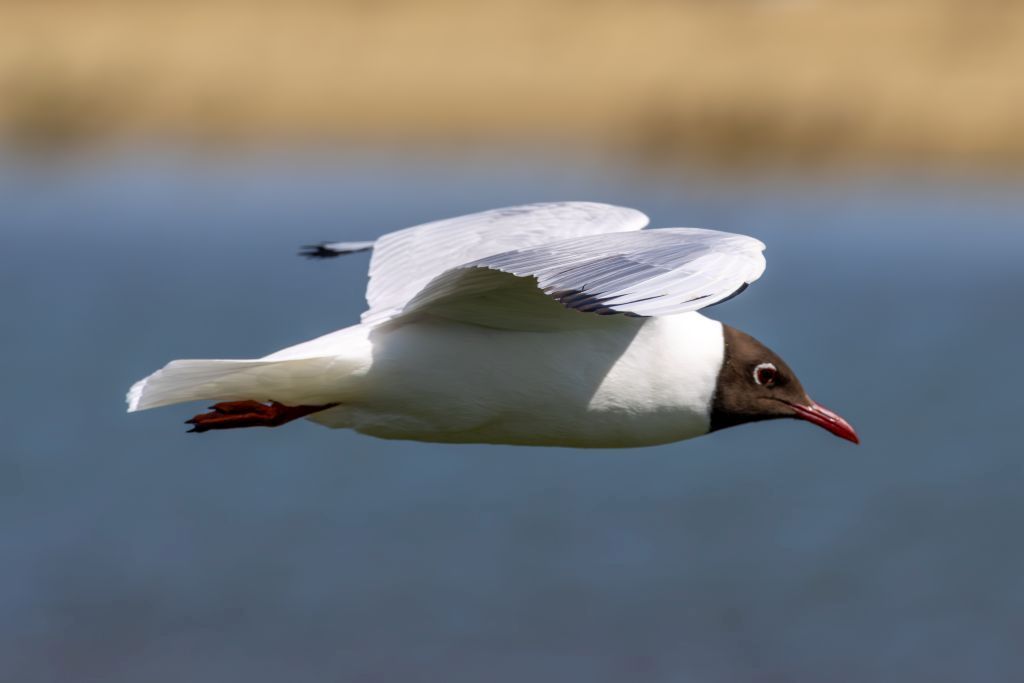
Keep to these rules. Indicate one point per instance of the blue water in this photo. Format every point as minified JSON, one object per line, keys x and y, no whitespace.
{"x":132,"y":551}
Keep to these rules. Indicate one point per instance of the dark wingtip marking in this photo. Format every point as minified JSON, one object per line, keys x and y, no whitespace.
{"x":731,"y":296}
{"x":318,"y":251}
{"x":585,"y":302}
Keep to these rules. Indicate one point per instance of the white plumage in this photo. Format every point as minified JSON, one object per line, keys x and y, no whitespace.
{"x":405,"y":261}
{"x":482,"y":328}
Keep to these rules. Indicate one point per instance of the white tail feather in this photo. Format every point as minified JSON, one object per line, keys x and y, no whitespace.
{"x":293,"y":382}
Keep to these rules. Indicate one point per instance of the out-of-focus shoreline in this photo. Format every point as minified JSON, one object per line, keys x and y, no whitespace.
{"x":925,"y":82}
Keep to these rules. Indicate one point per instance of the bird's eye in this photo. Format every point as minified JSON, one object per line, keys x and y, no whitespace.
{"x":765,"y":374}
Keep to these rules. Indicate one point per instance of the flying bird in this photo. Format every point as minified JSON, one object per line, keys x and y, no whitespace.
{"x":553,"y":324}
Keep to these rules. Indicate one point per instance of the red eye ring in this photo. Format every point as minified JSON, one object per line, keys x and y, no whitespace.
{"x":766,"y":374}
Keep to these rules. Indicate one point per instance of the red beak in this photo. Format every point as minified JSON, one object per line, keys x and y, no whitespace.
{"x":826,"y":419}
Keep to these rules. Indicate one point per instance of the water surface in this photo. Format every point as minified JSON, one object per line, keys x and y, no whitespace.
{"x":133,"y":551}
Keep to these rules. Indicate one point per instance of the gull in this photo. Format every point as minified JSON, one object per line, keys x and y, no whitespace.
{"x":550,"y":324}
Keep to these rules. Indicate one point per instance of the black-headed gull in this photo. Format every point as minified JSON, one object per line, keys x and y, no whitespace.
{"x":557,"y":324}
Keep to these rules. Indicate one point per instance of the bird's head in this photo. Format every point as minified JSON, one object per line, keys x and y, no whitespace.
{"x":755,"y":384}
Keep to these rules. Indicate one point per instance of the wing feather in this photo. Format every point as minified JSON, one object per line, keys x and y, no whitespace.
{"x":404,"y":262}
{"x":645,"y":273}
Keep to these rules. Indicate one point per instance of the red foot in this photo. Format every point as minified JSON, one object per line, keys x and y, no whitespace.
{"x":234,"y":414}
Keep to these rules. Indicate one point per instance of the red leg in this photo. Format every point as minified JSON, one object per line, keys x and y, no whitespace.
{"x":235,"y":414}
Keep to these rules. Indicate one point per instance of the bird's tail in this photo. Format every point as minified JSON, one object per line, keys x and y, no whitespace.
{"x":302,"y":381}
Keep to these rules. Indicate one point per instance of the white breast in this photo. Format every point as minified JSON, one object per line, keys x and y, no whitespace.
{"x":635,"y":382}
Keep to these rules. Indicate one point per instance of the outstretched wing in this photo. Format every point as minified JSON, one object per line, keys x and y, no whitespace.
{"x":646,"y":273}
{"x":405,"y":261}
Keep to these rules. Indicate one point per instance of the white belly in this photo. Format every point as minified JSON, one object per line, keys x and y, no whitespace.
{"x":632,"y":382}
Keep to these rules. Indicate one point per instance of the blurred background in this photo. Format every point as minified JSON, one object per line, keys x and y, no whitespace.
{"x":160,"y":164}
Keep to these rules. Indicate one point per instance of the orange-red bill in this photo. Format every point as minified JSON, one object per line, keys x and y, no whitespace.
{"x":826,"y":419}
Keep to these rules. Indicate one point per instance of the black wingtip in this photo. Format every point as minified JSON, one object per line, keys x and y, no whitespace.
{"x":731,"y":296}
{"x":318,"y":251}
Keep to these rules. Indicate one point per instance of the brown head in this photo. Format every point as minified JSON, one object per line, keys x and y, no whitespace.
{"x":755,"y":384}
